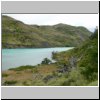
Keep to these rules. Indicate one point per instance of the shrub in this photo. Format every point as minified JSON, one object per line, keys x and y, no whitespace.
{"x":12,"y":82}
{"x":94,"y":83}
{"x":25,"y":83}
{"x":74,"y":79}
{"x":46,"y":61}
{"x":4,"y":75}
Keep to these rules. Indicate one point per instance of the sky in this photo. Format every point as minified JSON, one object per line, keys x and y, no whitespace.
{"x":90,"y":21}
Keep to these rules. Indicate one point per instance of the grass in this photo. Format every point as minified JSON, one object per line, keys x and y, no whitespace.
{"x":22,"y":68}
{"x":29,"y":75}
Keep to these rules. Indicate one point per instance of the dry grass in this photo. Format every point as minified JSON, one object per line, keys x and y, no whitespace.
{"x":28,"y":74}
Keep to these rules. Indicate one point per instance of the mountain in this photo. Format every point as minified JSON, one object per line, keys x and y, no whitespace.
{"x":16,"y":34}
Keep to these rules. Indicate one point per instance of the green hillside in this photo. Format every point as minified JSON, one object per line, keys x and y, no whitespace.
{"x":82,"y":62}
{"x":16,"y":34}
{"x":76,"y":67}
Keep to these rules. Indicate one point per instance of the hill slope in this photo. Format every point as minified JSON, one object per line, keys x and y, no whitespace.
{"x":16,"y":34}
{"x":84,"y":61}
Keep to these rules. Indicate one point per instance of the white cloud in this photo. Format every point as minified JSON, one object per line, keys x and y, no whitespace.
{"x":89,"y":21}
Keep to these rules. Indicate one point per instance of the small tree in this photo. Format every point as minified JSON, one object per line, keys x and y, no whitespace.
{"x":46,"y":61}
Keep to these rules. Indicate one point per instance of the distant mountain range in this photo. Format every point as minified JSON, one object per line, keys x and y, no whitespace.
{"x":16,"y":34}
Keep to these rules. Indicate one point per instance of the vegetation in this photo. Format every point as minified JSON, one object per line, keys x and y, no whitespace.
{"x":10,"y":82}
{"x":16,"y":34}
{"x":83,"y":59}
{"x":4,"y":75}
{"x":22,"y":68}
{"x":76,"y":67}
{"x":46,"y":61}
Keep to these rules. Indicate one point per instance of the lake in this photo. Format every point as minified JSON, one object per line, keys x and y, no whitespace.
{"x":12,"y":58}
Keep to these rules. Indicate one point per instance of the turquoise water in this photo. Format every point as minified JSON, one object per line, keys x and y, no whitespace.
{"x":12,"y":58}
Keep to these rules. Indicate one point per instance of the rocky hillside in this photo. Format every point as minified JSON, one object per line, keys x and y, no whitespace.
{"x":16,"y":34}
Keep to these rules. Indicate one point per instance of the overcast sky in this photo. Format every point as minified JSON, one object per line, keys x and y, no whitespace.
{"x":90,"y":21}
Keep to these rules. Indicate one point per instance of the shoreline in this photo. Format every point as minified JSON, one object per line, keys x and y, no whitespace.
{"x":39,"y":48}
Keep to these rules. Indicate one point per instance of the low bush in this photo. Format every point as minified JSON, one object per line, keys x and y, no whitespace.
{"x":4,"y":75}
{"x":12,"y":82}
